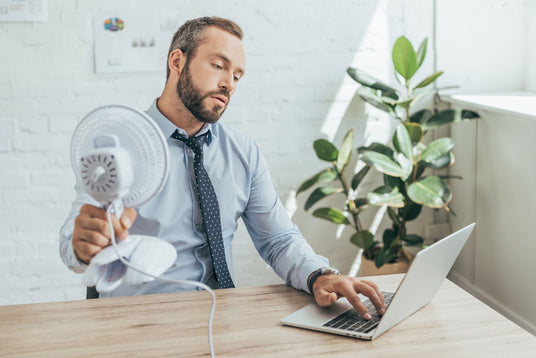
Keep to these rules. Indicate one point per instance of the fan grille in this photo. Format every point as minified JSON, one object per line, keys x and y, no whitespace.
{"x":139,"y":135}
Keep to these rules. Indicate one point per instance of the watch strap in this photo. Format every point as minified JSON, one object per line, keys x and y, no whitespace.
{"x":320,"y":272}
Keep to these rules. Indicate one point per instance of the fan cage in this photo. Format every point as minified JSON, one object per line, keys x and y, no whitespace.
{"x":139,"y":135}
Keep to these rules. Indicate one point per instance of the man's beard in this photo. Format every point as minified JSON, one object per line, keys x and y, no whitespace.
{"x":192,"y":98}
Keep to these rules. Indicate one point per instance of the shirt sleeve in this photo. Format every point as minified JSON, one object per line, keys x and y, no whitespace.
{"x":277,"y":239}
{"x":66,"y":231}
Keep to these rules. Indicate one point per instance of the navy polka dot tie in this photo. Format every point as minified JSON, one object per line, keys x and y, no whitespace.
{"x":210,"y":210}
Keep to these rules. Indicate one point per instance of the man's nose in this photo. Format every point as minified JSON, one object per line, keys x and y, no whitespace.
{"x":228,"y":83}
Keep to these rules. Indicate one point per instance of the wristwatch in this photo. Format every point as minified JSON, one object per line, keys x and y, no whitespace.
{"x":320,"y":272}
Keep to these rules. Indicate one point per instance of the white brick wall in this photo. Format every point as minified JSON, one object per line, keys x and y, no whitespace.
{"x":297,"y":53}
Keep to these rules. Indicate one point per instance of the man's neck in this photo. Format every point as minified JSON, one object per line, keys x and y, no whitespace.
{"x":174,"y":110}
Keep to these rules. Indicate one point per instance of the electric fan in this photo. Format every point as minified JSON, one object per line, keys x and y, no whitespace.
{"x":120,"y":157}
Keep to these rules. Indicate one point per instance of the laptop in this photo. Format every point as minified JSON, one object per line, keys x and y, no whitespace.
{"x":420,"y":284}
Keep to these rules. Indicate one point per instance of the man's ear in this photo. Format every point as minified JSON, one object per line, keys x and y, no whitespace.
{"x":176,"y":61}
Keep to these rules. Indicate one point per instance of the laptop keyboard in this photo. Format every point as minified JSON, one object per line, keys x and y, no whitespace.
{"x":352,"y":321}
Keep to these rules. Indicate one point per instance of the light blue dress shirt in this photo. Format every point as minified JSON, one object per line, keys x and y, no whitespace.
{"x":244,"y":189}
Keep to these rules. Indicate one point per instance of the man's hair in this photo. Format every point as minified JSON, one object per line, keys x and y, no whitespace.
{"x":190,"y":35}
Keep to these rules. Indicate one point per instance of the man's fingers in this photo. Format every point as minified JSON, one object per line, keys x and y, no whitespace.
{"x":92,"y":211}
{"x":120,"y":227}
{"x":374,"y":294}
{"x":85,"y":251}
{"x":325,"y":298}
{"x":98,"y":225}
{"x":92,"y":231}
{"x":348,"y":291}
{"x":94,"y":238}
{"x":128,"y":217}
{"x":328,"y":288}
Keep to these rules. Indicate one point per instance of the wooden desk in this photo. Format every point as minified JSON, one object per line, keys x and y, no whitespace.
{"x":246,"y":324}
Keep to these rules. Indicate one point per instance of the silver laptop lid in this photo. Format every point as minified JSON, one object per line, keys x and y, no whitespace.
{"x":424,"y":277}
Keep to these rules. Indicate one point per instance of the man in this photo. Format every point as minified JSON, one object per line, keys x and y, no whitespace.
{"x":206,"y":60}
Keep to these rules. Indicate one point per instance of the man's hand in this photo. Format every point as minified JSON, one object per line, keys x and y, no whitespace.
{"x":91,"y":231}
{"x":328,"y":288}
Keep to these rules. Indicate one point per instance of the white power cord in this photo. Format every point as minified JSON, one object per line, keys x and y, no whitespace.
{"x":180,"y":282}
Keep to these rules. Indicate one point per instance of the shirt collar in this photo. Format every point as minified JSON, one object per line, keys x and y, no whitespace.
{"x":168,"y":127}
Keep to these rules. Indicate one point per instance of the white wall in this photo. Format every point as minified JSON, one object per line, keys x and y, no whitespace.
{"x":497,"y":263}
{"x":530,"y":60}
{"x":293,"y":93}
{"x":482,"y":44}
{"x":497,"y":55}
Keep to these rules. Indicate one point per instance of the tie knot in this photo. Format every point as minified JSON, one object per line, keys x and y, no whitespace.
{"x":195,"y":143}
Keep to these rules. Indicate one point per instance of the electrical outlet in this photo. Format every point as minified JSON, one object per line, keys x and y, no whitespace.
{"x":435,"y":232}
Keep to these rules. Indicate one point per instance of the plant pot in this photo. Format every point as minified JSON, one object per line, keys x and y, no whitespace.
{"x":368,"y":267}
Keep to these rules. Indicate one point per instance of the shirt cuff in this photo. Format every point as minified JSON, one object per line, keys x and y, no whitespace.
{"x":310,"y":267}
{"x":74,"y":264}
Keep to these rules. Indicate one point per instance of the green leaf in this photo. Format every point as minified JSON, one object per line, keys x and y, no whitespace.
{"x":451,"y":177}
{"x":420,"y":116}
{"x":419,"y":172}
{"x":432,"y":191}
{"x":379,"y":148}
{"x":410,"y":211}
{"x":367,"y":80}
{"x":384,"y":256}
{"x":417,"y":149}
{"x":386,"y":196}
{"x":413,"y":240}
{"x":371,"y":98}
{"x":331,"y":214}
{"x":417,"y":95}
{"x":358,"y":178}
{"x":428,"y":80}
{"x":394,"y":182}
{"x":361,"y":202}
{"x":389,"y":237}
{"x":346,"y":150}
{"x":406,"y":165}
{"x":441,"y":162}
{"x":398,"y":78}
{"x":325,"y":150}
{"x":404,"y":58}
{"x":363,"y":239}
{"x":406,"y":103}
{"x":449,"y":116}
{"x":383,"y":164}
{"x":394,"y":216}
{"x":319,"y":194}
{"x":421,"y":52}
{"x":402,"y":142}
{"x":325,"y":176}
{"x":415,"y":131}
{"x":437,"y":149}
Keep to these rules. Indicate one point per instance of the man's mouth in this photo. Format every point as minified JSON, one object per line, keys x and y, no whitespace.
{"x":220,"y":100}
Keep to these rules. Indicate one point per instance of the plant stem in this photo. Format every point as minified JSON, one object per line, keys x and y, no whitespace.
{"x":408,"y":96}
{"x":415,"y":167}
{"x":350,"y":204}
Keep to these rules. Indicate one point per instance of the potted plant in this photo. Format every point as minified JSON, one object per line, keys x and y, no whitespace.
{"x":335,"y":179}
{"x":409,"y":166}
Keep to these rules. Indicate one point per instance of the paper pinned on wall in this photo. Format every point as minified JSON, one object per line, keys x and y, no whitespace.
{"x":132,"y":40}
{"x":23,"y":10}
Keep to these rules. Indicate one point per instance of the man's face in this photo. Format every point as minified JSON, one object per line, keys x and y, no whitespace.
{"x":209,"y":79}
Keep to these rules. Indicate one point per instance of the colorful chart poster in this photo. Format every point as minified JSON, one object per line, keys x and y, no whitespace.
{"x":132,"y":40}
